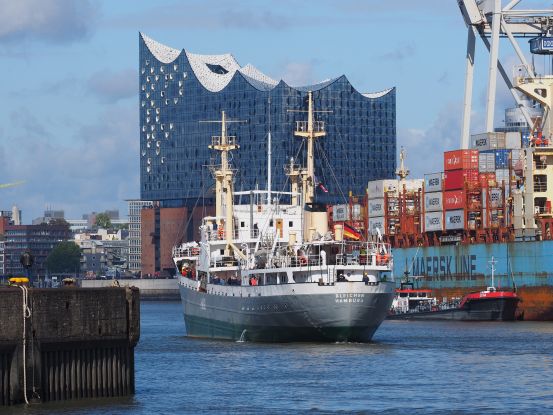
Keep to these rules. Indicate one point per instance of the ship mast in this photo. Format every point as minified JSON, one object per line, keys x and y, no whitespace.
{"x":223,"y":175}
{"x":310,"y":130}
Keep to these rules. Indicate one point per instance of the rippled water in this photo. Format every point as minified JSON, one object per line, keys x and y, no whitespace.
{"x":410,"y":368}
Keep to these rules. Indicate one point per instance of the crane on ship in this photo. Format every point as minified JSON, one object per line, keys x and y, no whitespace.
{"x":491,"y":21}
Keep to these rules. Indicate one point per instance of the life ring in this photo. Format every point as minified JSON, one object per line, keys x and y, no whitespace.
{"x":195,"y":251}
{"x":220,"y":232}
{"x":303,"y":260}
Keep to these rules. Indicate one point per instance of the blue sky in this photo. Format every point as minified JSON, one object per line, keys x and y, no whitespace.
{"x":69,"y":107}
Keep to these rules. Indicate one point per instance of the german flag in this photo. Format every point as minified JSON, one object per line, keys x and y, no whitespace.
{"x":351,"y":233}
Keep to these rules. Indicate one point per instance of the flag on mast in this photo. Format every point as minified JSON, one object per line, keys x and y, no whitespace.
{"x":351,"y":233}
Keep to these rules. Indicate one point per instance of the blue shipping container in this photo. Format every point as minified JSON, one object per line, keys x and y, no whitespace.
{"x":502,"y":158}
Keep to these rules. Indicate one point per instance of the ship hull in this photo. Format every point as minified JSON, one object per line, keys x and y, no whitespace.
{"x":346,"y":312}
{"x":499,"y":309}
{"x":455,"y":270}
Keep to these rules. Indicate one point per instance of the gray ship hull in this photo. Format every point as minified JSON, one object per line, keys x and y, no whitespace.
{"x":345,"y":312}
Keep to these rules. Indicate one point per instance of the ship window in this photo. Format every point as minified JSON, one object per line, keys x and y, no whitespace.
{"x":242,"y":224}
{"x":290,"y":224}
{"x":218,"y":69}
{"x":222,"y":251}
{"x":271,"y":222}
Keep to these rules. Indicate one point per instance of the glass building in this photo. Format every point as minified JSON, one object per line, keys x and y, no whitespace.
{"x":179,"y":89}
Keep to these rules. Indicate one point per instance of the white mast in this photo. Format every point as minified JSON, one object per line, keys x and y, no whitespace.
{"x":269,"y":161}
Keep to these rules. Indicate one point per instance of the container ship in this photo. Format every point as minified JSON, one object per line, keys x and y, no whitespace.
{"x":493,"y":196}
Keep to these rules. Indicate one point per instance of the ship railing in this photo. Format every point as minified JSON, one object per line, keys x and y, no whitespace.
{"x":223,"y":262}
{"x":220,"y":234}
{"x":318,"y":126}
{"x":186,"y":251}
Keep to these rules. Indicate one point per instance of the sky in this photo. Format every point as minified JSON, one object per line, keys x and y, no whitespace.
{"x":69,"y":78}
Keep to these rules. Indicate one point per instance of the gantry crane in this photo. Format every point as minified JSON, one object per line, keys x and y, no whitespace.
{"x":491,"y":21}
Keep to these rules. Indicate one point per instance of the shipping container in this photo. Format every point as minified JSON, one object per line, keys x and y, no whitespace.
{"x":356,"y":212}
{"x":487,"y":179}
{"x":376,"y":207}
{"x":512,"y":140}
{"x":486,"y":161}
{"x":433,"y":182}
{"x":502,"y":176}
{"x":454,"y":219}
{"x":455,"y":179}
{"x":502,"y":158}
{"x":496,"y":198}
{"x":460,"y":159}
{"x":377,"y":223}
{"x":433,"y":221}
{"x":454,"y":199}
{"x":412,"y":185}
{"x":488,"y":141}
{"x":340,"y":213}
{"x":376,"y":188}
{"x":433,"y":201}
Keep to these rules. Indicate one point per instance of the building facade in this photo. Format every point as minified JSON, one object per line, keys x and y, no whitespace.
{"x":179,"y":89}
{"x":135,"y":244}
{"x":40,"y":240}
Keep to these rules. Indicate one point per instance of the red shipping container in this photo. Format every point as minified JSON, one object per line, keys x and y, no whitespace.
{"x":486,"y":178}
{"x":454,"y":199}
{"x":455,"y":179}
{"x":460,"y":159}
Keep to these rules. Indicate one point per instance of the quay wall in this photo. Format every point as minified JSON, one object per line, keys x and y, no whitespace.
{"x":67,"y":343}
{"x":150,"y":289}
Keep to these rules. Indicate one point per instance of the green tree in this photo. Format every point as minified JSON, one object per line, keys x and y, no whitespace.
{"x":103,"y":221}
{"x":59,"y":222}
{"x":65,"y":257}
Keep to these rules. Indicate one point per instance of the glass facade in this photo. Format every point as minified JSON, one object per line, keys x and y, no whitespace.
{"x":360,"y":144}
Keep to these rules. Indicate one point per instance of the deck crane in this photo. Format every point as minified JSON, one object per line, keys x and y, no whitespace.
{"x":491,"y":21}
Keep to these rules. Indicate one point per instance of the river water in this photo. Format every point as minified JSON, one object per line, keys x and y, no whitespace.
{"x":410,"y":368}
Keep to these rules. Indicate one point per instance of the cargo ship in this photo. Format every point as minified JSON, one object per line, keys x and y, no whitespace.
{"x":272,"y":272}
{"x":494,"y":194}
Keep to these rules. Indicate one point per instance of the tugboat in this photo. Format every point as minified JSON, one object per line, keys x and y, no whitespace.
{"x":491,"y":304}
{"x":274,"y":272}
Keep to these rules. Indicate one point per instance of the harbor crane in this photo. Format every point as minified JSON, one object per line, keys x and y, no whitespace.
{"x":490,"y":20}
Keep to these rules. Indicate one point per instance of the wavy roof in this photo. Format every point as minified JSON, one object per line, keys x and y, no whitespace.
{"x":216,"y":71}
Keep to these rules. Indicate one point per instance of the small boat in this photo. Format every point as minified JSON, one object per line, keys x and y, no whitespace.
{"x":491,"y":304}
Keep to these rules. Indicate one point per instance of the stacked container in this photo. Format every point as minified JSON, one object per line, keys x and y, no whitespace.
{"x":433,"y":202}
{"x":376,"y":190}
{"x":460,"y":167}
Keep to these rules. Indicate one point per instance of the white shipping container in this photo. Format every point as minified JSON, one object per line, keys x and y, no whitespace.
{"x":376,"y":207}
{"x":376,"y":188}
{"x":513,"y":140}
{"x":433,"y":221}
{"x":376,"y":223}
{"x":502,"y":176}
{"x":454,"y":219}
{"x":356,"y":212}
{"x":433,"y":201}
{"x":486,"y":162}
{"x":433,"y":182}
{"x":340,"y":213}
{"x":413,"y":185}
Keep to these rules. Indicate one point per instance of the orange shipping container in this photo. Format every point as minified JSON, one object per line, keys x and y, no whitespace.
{"x":454,"y":199}
{"x":461,"y":159}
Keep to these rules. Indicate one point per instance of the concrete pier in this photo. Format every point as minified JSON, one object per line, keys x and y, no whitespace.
{"x":67,"y":343}
{"x":150,"y":289}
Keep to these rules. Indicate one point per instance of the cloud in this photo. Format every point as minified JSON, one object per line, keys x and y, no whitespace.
{"x":24,"y":121}
{"x":111,"y":86}
{"x":400,"y":53}
{"x":425,"y":147}
{"x":55,"y":21}
{"x":97,"y":169}
{"x":299,"y":73}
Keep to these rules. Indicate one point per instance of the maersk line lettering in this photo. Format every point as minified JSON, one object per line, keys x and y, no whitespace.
{"x":443,"y":265}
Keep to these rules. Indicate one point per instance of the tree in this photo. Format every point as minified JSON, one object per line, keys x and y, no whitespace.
{"x":103,"y":221}
{"x":59,"y":222}
{"x":65,"y":257}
